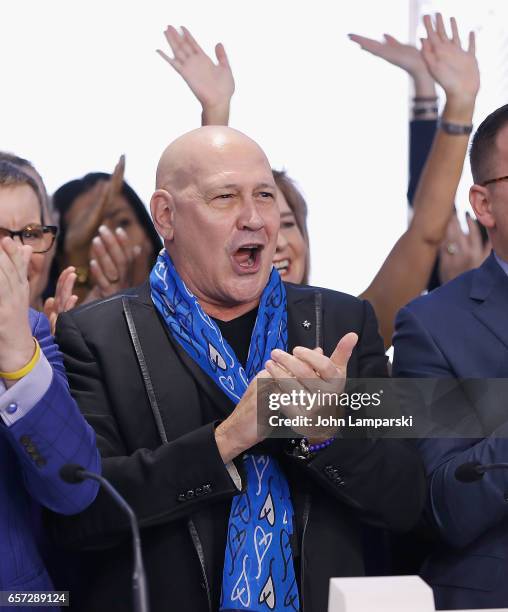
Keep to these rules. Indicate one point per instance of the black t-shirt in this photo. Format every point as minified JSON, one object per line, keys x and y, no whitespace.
{"x":238,"y":333}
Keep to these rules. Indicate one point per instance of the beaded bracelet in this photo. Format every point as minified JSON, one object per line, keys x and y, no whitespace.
{"x":26,"y":369}
{"x":314,"y":448}
{"x":301,"y":449}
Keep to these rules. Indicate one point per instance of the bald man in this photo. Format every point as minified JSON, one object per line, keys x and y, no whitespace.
{"x":166,"y":374}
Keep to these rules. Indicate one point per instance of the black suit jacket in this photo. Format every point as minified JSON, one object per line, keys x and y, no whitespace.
{"x":154,"y":412}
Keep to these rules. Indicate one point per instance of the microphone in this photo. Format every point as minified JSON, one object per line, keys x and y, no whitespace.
{"x":473,"y":470}
{"x":74,"y":474}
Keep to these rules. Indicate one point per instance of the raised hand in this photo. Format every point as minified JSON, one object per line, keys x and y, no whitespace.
{"x":83,"y":220}
{"x":404,"y":56}
{"x":87,"y":212}
{"x":64,"y":299}
{"x":461,"y":252}
{"x":212,"y":84}
{"x":454,"y":68}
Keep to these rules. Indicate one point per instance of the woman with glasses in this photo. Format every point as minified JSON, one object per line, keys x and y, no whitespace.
{"x":49,"y":216}
{"x":23,"y":215}
{"x":41,"y":428}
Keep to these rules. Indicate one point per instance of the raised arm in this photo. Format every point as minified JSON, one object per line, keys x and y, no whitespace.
{"x":422,"y":127}
{"x":212,"y":84}
{"x":405,"y":272}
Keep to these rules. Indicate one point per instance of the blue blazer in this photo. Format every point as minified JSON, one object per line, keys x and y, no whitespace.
{"x":461,"y":330}
{"x":55,"y":433}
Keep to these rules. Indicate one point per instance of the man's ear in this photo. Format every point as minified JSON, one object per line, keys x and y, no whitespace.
{"x":481,"y":202}
{"x":162,"y":207}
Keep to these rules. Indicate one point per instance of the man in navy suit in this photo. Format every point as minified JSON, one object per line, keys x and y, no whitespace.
{"x":41,"y":429}
{"x":461,"y":331}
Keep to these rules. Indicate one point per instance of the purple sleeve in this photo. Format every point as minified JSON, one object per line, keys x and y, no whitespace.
{"x":19,"y":399}
{"x":51,"y":433}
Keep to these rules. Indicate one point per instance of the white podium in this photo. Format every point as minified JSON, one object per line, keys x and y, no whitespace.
{"x":384,"y":594}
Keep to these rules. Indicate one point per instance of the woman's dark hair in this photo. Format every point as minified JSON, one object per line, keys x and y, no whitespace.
{"x":298,"y":206}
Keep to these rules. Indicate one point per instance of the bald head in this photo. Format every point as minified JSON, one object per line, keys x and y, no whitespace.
{"x":186,"y":156}
{"x":216,"y":209}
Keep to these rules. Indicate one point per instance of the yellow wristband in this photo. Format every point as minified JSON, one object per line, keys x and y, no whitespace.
{"x":26,"y":369}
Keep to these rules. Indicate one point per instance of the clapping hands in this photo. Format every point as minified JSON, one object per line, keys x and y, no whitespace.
{"x":87,"y":213}
{"x":16,"y":343}
{"x":64,"y":299}
{"x":113,"y":262}
{"x":310,"y":370}
{"x":89,"y":244}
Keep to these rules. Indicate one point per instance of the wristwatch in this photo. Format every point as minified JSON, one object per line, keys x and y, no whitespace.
{"x":299,"y":448}
{"x":455,"y":129}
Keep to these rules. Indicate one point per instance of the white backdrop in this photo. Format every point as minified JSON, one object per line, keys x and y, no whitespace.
{"x":488,"y":20}
{"x":81,"y":84}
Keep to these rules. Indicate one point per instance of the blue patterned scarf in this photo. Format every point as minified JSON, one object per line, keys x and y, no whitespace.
{"x":258,"y":567}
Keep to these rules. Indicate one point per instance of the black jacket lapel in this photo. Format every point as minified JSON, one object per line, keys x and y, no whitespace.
{"x":175,"y":394}
{"x":304,"y":319}
{"x":219,"y":399}
{"x":178,"y":401}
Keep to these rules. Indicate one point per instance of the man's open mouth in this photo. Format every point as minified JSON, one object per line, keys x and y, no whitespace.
{"x":248,"y":257}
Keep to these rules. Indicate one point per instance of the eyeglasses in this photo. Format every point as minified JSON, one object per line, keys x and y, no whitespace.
{"x":496,"y":180}
{"x":39,"y":237}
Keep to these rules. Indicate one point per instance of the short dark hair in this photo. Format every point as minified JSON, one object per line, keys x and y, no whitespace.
{"x":12,"y":176}
{"x":483,"y":144}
